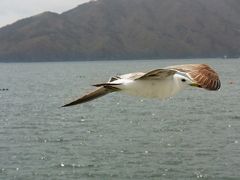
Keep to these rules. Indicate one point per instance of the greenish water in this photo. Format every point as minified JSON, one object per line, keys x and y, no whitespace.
{"x":194,"y":135}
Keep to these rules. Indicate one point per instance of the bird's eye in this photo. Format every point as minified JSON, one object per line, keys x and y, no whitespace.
{"x":183,"y":80}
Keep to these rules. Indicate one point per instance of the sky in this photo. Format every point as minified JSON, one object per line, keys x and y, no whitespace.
{"x":13,"y":10}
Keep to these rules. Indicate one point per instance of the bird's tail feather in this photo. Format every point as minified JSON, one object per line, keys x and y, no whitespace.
{"x":100,"y":91}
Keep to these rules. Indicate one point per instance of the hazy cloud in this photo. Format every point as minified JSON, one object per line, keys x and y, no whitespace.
{"x":13,"y":10}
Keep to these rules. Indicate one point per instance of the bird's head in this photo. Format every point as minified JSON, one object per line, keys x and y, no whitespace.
{"x":184,"y":81}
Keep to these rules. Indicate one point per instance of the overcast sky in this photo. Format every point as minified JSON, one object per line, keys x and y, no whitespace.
{"x":12,"y":10}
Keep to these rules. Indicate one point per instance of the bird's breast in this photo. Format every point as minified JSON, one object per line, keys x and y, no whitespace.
{"x":150,"y":88}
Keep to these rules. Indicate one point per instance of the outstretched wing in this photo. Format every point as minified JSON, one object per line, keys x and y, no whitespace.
{"x":101,"y":91}
{"x":132,"y":76}
{"x":202,"y":74}
{"x":157,"y":74}
{"x":154,"y":74}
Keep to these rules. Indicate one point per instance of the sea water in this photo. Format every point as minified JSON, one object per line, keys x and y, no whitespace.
{"x":194,"y":135}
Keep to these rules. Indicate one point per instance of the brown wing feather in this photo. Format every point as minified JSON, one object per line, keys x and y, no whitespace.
{"x":158,"y":74}
{"x":202,"y":74}
{"x":154,"y":74}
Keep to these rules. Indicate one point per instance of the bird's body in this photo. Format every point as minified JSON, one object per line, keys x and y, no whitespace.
{"x":149,"y":88}
{"x":159,"y":83}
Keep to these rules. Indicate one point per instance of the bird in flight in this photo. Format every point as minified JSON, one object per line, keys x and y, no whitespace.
{"x":158,"y":83}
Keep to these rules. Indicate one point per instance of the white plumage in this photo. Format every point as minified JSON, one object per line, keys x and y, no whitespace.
{"x":158,"y":83}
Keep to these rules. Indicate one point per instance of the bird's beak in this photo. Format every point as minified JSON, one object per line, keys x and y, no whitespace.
{"x":195,"y":85}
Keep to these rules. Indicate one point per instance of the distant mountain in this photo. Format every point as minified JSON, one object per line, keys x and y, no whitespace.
{"x":127,"y":29}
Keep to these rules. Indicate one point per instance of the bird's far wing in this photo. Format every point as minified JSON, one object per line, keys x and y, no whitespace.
{"x":132,"y":76}
{"x":154,"y":74}
{"x":157,"y":74}
{"x":202,"y":74}
{"x":101,"y":91}
{"x":117,"y":80}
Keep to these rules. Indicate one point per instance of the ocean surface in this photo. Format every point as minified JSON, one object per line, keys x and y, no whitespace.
{"x":194,"y":135}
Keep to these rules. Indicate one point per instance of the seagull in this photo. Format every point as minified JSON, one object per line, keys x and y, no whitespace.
{"x":158,"y":83}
